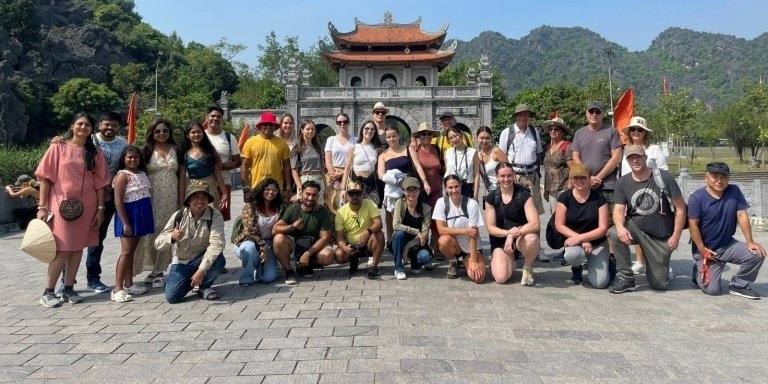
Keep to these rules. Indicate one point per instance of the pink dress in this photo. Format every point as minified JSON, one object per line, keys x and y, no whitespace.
{"x":64,"y":166}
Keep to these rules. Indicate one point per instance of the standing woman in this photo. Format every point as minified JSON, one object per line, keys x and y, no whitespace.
{"x":582,"y":217}
{"x":639,"y":134}
{"x":361,"y":163}
{"x":286,"y":130}
{"x":463,"y":162}
{"x":489,"y":157}
{"x":307,"y":161}
{"x":200,"y":161}
{"x":165,"y":176}
{"x":394,"y":165}
{"x":72,"y":169}
{"x":556,"y":161}
{"x":336,"y":148}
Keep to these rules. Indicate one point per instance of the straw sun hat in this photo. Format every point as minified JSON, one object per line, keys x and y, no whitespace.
{"x":38,"y":241}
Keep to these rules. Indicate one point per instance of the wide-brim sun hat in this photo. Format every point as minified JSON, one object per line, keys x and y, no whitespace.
{"x":194,"y":187}
{"x":380,"y":107}
{"x":636,"y":121}
{"x":425,"y":127}
{"x":38,"y":241}
{"x":557,"y":122}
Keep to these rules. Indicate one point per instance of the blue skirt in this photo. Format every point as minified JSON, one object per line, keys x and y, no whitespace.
{"x":140,"y":217}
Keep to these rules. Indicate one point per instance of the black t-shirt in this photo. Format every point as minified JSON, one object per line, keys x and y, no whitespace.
{"x":511,"y":214}
{"x":413,"y":222}
{"x":582,"y":218}
{"x":645,"y":206}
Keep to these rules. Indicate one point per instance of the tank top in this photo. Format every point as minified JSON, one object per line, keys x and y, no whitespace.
{"x":137,"y":187}
{"x":490,"y":170}
{"x":199,"y":168}
{"x":400,"y":163}
{"x":265,"y":224}
{"x":364,"y":159}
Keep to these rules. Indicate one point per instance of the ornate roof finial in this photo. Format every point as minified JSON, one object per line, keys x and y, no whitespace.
{"x":387,"y":17}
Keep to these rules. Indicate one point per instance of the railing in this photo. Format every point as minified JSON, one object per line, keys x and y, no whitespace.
{"x":309,"y":93}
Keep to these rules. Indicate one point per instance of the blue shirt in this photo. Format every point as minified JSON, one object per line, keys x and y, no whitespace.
{"x":717,"y":217}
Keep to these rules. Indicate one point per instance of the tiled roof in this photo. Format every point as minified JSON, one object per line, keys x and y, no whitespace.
{"x":387,"y":34}
{"x":348,"y":57}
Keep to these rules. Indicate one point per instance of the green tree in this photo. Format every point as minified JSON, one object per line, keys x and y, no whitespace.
{"x":19,"y":18}
{"x":181,"y":110}
{"x":81,"y":94}
{"x":679,"y":116}
{"x":206,"y":71}
{"x":128,"y":78}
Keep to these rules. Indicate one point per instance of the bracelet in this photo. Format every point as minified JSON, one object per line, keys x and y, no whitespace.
{"x":39,"y":207}
{"x":101,"y":207}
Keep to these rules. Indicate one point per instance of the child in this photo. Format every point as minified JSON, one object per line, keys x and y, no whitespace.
{"x":134,"y":219}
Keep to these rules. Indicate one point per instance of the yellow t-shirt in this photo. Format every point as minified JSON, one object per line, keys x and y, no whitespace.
{"x":355,"y":223}
{"x":442,"y":142}
{"x":266,"y":158}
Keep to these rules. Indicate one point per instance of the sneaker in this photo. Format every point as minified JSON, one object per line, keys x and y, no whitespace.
{"x":542,"y":257}
{"x":695,"y":275}
{"x":417,"y":271}
{"x":400,"y":276}
{"x":576,"y":276}
{"x":621,"y":286}
{"x":428,"y":266}
{"x":120,"y":297}
{"x":305,"y":271}
{"x":370,"y":262}
{"x":158,"y":282}
{"x":98,"y":287}
{"x":373,"y":273}
{"x":527,"y":280}
{"x":353,"y":267}
{"x":439,"y":255}
{"x":746,"y":293}
{"x":136,"y":290}
{"x":453,"y":271}
{"x":638,"y":268}
{"x":290,"y":278}
{"x":70,"y":296}
{"x":49,"y":300}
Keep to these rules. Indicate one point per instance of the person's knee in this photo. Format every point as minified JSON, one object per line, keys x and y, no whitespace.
{"x":501,"y":277}
{"x":574,"y":255}
{"x":710,"y":289}
{"x":423,"y":257}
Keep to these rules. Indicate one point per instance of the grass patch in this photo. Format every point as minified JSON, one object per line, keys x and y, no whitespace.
{"x":15,"y":161}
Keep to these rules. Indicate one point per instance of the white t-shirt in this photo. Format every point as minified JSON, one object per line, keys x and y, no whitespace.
{"x":338,"y":151}
{"x":459,"y":163}
{"x":225,"y":150}
{"x":456,"y":219}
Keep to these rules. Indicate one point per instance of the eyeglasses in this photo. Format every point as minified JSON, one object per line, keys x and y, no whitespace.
{"x":554,"y":129}
{"x":369,"y":129}
{"x":425,"y":134}
{"x":272,"y":190}
{"x":161,"y":131}
{"x":636,"y":129}
{"x":342,"y":122}
{"x":594,"y":111}
{"x":379,"y":112}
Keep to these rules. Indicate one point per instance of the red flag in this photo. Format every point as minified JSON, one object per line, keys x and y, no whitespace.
{"x":553,"y":115}
{"x":622,"y":114}
{"x":244,"y":136}
{"x":665,"y":86}
{"x":132,"y":119}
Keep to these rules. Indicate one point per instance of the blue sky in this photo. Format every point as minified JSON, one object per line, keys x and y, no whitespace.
{"x":633,"y":24}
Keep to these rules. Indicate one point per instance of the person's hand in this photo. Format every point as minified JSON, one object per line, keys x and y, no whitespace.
{"x":422,"y":239}
{"x":303,"y":260}
{"x":509,"y":245}
{"x":98,"y":218}
{"x":594,"y":182}
{"x":756,"y":248}
{"x":223,"y":199}
{"x":673,"y":242}
{"x":587,"y":246}
{"x":476,"y":268}
{"x":263,"y":256}
{"x":624,"y":235}
{"x":177,"y":233}
{"x":247,"y":195}
{"x":298,"y":224}
{"x":9,"y":189}
{"x":41,"y":214}
{"x":343,"y":196}
{"x":363,"y":241}
{"x":472,"y":232}
{"x":514,"y":232}
{"x":427,"y":188}
{"x":197,"y":278}
{"x":295,"y":198}
{"x":57,"y":139}
{"x":545,"y":195}
{"x":573,"y":241}
{"x":127,"y":230}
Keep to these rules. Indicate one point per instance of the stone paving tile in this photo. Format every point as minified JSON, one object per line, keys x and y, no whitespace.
{"x":54,"y":359}
{"x":321,"y":366}
{"x":236,"y":380}
{"x":152,"y":358}
{"x":219,"y":369}
{"x":281,"y":367}
{"x":187,"y":345}
{"x":281,"y":343}
{"x":373,"y":365}
{"x":293,"y":379}
{"x":246,"y":356}
{"x":302,"y":354}
{"x":93,"y":359}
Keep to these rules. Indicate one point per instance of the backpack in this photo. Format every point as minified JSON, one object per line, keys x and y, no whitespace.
{"x":447,"y":202}
{"x":237,"y":227}
{"x":555,"y":239}
{"x":664,"y":191}
{"x":180,"y":214}
{"x":535,"y":133}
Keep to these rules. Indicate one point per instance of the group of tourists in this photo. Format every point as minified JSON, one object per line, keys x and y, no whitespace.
{"x":308,"y":207}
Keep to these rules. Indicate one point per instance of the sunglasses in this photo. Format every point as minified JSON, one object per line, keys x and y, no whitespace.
{"x":272,"y":190}
{"x":379,"y":112}
{"x":636,"y":129}
{"x":369,"y":128}
{"x":554,"y":129}
{"x":342,"y":122}
{"x":160,"y":131}
{"x":354,"y":194}
{"x":594,"y":111}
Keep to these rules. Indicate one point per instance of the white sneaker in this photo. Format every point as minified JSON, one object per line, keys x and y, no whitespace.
{"x":527,"y":279}
{"x":158,"y":282}
{"x":637,"y":268}
{"x":400,"y":275}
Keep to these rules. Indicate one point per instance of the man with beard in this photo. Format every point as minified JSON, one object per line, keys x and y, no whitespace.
{"x":642,"y":215}
{"x":358,"y":231}
{"x":304,"y":229}
{"x":265,"y":155}
{"x":227,"y":149}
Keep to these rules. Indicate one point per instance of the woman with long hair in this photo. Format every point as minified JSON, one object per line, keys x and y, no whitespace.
{"x":463,"y":162}
{"x":490,"y":156}
{"x":307,"y":160}
{"x":360,"y":165}
{"x":286,"y":130}
{"x":72,"y":170}
{"x":161,"y":155}
{"x":556,"y":161}
{"x":513,"y":227}
{"x":411,"y":220}
{"x":336,"y":149}
{"x":200,"y":161}
{"x":253,"y":244}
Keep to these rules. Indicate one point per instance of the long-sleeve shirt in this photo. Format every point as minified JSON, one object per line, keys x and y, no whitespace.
{"x":197,"y":237}
{"x":397,"y":222}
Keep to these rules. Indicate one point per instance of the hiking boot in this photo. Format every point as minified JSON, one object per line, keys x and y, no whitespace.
{"x":621,"y":286}
{"x":746,"y":292}
{"x":453,"y":271}
{"x":527,"y":280}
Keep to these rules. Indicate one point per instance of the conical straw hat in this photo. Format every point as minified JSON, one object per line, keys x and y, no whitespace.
{"x":38,"y":241}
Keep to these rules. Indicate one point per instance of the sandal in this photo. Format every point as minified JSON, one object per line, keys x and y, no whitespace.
{"x":136,"y":289}
{"x":209,"y":294}
{"x":149,"y":279}
{"x":158,"y":282}
{"x":120,"y":297}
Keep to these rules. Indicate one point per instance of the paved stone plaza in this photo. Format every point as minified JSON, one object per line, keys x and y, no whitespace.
{"x":427,"y":329}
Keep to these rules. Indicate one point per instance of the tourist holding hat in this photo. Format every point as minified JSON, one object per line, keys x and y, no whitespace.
{"x":360,"y":165}
{"x":265,"y":155}
{"x":25,"y":187}
{"x":556,"y":162}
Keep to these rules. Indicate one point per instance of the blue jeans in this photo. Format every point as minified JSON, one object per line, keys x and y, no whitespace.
{"x":399,"y":239}
{"x":179,"y":280}
{"x":93,"y":259}
{"x":253,"y":270}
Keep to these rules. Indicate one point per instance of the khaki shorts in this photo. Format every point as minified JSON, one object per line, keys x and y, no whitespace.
{"x":532,"y":182}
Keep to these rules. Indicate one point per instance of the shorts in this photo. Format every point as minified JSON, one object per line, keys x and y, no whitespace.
{"x":498,"y":242}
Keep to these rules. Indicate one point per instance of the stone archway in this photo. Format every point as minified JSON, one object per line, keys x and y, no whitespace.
{"x":405,"y":116}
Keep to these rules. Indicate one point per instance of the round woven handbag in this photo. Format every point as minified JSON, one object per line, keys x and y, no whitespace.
{"x":71,"y":209}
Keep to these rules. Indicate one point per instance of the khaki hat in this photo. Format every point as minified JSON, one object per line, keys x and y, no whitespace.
{"x":38,"y":241}
{"x":636,"y":121}
{"x":522,"y":108}
{"x":425,"y":127}
{"x":379,"y":106}
{"x":411,"y":182}
{"x":354,"y":186}
{"x":634,"y":150}
{"x":194,"y":187}
{"x":557,"y":122}
{"x":578,"y":170}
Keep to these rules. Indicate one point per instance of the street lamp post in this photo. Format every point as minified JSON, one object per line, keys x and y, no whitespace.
{"x":157,"y":65}
{"x":610,"y":85}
